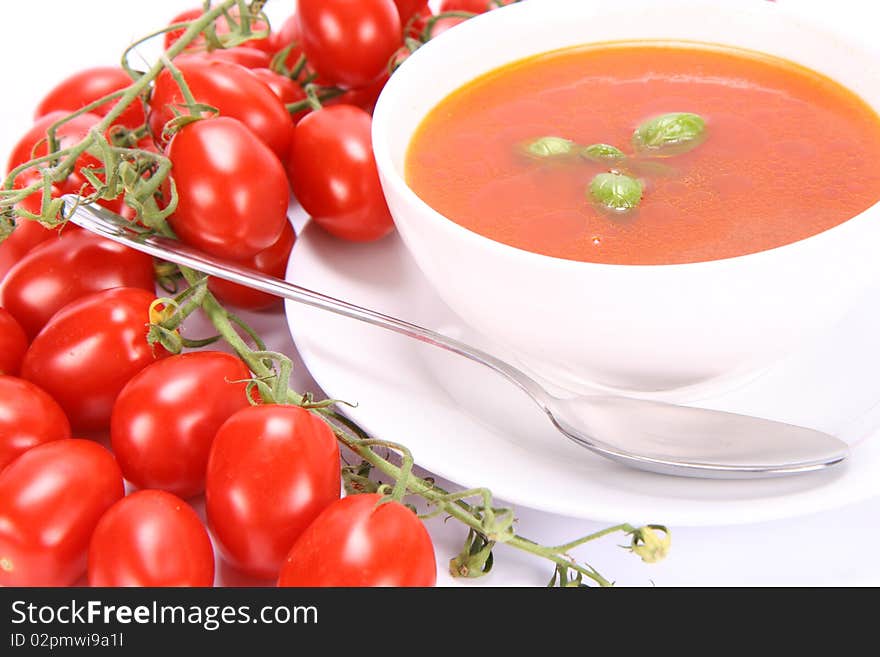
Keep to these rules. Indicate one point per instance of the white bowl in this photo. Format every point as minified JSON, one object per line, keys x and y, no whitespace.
{"x":636,"y":329}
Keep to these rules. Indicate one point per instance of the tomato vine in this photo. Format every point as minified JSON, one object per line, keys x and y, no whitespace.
{"x":144,"y":180}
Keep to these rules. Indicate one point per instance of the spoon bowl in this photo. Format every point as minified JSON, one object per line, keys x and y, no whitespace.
{"x":693,"y":442}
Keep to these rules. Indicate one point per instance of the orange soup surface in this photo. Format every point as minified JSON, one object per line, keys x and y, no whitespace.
{"x":787,"y":153}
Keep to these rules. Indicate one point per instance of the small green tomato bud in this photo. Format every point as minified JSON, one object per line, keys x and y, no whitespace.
{"x":649,"y":545}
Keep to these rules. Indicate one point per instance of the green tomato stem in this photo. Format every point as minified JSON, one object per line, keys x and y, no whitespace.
{"x":279,"y":59}
{"x":188,"y":96}
{"x":53,"y":129}
{"x":458,"y":509}
{"x":24,"y":192}
{"x":220,"y":318}
{"x":315,"y":96}
{"x":623,"y":527}
{"x":405,"y":480}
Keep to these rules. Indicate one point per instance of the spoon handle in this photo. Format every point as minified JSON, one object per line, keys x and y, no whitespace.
{"x":112,"y":226}
{"x":638,"y":429}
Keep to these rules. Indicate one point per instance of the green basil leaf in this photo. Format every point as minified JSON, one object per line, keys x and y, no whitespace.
{"x":549,"y":147}
{"x":616,"y":191}
{"x":602,"y":153}
{"x":672,"y":133}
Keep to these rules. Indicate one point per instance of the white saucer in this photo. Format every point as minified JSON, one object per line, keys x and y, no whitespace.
{"x":470,"y":426}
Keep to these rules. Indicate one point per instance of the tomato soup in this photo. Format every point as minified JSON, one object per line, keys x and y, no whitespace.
{"x":787,"y":153}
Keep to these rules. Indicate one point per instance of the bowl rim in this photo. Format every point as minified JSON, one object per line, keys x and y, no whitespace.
{"x":383,"y":123}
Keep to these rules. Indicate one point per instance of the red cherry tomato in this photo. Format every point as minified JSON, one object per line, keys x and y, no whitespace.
{"x":51,"y":498}
{"x":28,"y":417}
{"x":89,"y":350}
{"x":34,"y":144}
{"x":233,"y":190}
{"x":272,"y":470}
{"x":286,"y":89}
{"x":150,"y":538}
{"x":13,"y":344}
{"x":272,"y":261}
{"x":409,"y":8}
{"x":165,"y":419}
{"x":241,"y":55}
{"x":182,"y":17}
{"x":358,"y":542}
{"x":349,"y":43}
{"x":233,"y":91}
{"x":333,"y":174}
{"x":85,"y":87}
{"x":65,"y":269}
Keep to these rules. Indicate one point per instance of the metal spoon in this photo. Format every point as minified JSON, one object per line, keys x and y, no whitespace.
{"x":649,"y":435}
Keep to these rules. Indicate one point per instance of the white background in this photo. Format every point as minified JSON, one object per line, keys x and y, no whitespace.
{"x":45,"y":40}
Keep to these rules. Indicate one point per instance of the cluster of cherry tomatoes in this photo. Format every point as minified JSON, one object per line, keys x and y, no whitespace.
{"x":75,"y":310}
{"x":179,"y":426}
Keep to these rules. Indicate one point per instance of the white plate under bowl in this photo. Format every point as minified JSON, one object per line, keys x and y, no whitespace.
{"x":470,"y":426}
